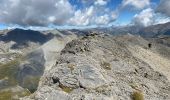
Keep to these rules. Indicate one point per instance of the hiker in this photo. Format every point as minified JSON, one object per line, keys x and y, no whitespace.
{"x":149,"y":45}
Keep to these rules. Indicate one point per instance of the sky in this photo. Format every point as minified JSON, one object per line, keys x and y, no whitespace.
{"x":82,"y":13}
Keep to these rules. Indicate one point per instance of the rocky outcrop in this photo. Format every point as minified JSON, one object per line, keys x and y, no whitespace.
{"x":102,"y":68}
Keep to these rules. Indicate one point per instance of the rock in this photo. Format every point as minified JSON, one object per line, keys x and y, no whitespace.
{"x":48,"y":93}
{"x":90,"y":77}
{"x":103,"y":68}
{"x":25,"y":59}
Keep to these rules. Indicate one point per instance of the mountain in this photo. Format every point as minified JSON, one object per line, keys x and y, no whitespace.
{"x":147,"y":32}
{"x":23,"y":37}
{"x":104,"y":67}
{"x":100,"y":63}
{"x":156,"y":30}
{"x":22,"y":67}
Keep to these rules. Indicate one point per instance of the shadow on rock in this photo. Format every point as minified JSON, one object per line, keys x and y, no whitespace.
{"x":30,"y":72}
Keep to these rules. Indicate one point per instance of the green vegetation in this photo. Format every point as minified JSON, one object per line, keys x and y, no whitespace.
{"x":71,"y":66}
{"x":65,"y":88}
{"x":1,"y":64}
{"x":106,"y":65}
{"x":9,"y":95}
{"x":9,"y":71}
{"x":137,"y":95}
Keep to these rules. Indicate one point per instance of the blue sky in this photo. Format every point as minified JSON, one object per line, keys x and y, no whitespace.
{"x":81,"y":13}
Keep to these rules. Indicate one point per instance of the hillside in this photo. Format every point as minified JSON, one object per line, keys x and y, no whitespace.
{"x":104,"y":67}
{"x":21,"y":67}
{"x":83,"y":64}
{"x":152,"y":31}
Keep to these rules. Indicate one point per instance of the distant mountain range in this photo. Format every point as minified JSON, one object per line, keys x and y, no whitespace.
{"x":67,"y":63}
{"x":156,"y":30}
{"x":147,"y":32}
{"x":152,"y":31}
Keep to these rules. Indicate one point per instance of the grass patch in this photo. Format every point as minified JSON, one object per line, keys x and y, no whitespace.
{"x":1,"y":64}
{"x":9,"y":70}
{"x":71,"y":66}
{"x":9,"y":95}
{"x":65,"y":88}
{"x":137,"y":95}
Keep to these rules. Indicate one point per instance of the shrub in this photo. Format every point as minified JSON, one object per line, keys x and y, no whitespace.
{"x":71,"y":66}
{"x":137,"y":95}
{"x":65,"y":88}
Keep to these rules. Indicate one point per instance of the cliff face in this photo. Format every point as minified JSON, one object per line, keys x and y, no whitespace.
{"x":103,"y":67}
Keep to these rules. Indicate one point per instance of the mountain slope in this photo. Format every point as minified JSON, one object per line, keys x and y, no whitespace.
{"x":156,"y":30}
{"x":152,"y":31}
{"x":105,"y":68}
{"x":21,"y":68}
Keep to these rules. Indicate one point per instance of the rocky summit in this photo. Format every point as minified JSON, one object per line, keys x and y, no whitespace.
{"x":107,"y":67}
{"x":84,"y":49}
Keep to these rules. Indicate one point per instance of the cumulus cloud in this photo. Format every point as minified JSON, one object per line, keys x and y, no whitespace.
{"x":96,"y":2}
{"x":92,"y":16}
{"x":144,"y":18}
{"x":162,"y":20}
{"x":82,"y":17}
{"x":96,"y":14}
{"x":35,"y":12}
{"x":138,"y":4}
{"x":100,"y":2}
{"x":149,"y":17}
{"x":54,"y":12}
{"x":164,"y":7}
{"x":102,"y":19}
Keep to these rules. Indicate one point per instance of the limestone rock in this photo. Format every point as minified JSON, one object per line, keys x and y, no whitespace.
{"x":103,"y":67}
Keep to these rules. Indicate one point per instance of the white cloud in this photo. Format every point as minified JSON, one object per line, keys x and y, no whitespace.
{"x":54,"y":12}
{"x":51,"y":19}
{"x":149,"y":17}
{"x":82,"y":17}
{"x":102,"y":20}
{"x":100,"y":2}
{"x":35,"y":12}
{"x":95,"y":2}
{"x":160,"y":19}
{"x":138,"y":4}
{"x":92,"y":16}
{"x":144,"y":18}
{"x":164,"y":7}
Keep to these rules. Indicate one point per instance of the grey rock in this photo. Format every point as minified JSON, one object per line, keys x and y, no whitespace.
{"x":103,"y":68}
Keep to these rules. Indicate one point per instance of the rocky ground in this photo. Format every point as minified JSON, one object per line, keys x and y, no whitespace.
{"x":83,"y":65}
{"x":105,"y":67}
